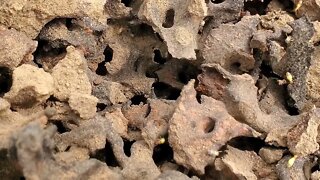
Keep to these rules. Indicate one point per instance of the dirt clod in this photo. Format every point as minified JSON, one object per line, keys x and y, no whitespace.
{"x":159,"y":89}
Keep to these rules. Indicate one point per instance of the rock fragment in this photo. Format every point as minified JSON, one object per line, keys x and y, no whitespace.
{"x":157,"y":123}
{"x":110,"y":93}
{"x":83,"y":104}
{"x":302,"y":139}
{"x":244,"y":165}
{"x":31,"y":86}
{"x":297,"y":61}
{"x":310,"y":8}
{"x":140,"y":164}
{"x":169,"y":19}
{"x":298,"y":171}
{"x":197,"y":130}
{"x":313,"y":79}
{"x":271,"y":155}
{"x":239,"y":94}
{"x":34,"y":152}
{"x":9,"y":121}
{"x":229,"y":44}
{"x":30,"y":16}
{"x":15,"y":48}
{"x":167,"y":175}
{"x":70,"y":75}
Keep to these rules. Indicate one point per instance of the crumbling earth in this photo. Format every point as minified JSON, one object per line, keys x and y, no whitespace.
{"x":160,"y":89}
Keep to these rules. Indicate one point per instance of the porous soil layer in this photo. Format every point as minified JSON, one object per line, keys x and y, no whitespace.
{"x":159,"y":89}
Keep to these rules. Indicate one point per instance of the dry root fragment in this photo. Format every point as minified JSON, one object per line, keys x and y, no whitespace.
{"x":31,"y":86}
{"x":30,"y":16}
{"x":228,"y":44}
{"x":70,"y":75}
{"x":15,"y":47}
{"x":196,"y":129}
{"x":302,"y":138}
{"x":169,"y":19}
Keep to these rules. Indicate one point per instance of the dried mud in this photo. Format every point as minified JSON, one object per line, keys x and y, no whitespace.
{"x":160,"y":89}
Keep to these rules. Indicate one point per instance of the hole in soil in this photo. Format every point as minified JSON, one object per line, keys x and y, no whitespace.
{"x":101,"y":107}
{"x":157,"y":57}
{"x":315,"y":168}
{"x":126,"y":2}
{"x":290,"y":105}
{"x":151,"y":71}
{"x":210,"y":125}
{"x":287,"y":4}
{"x":108,"y":55}
{"x":106,"y":155}
{"x":256,"y":7}
{"x":49,"y":55}
{"x":66,"y":21}
{"x":247,"y":143}
{"x":5,"y":80}
{"x":138,"y":99}
{"x":198,"y":97}
{"x":187,"y":72}
{"x":132,"y":127}
{"x":165,"y":91}
{"x":68,"y":148}
{"x":169,"y":21}
{"x":217,"y":1}
{"x":127,"y":147}
{"x":60,"y":127}
{"x":69,"y":24}
{"x":8,"y":163}
{"x":101,"y":70}
{"x":267,"y":71}
{"x":162,"y":153}
{"x":159,"y":37}
{"x":110,"y":158}
{"x":141,"y":30}
{"x":235,"y":66}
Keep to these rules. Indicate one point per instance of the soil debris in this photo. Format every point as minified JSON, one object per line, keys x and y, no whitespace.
{"x":159,"y":89}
